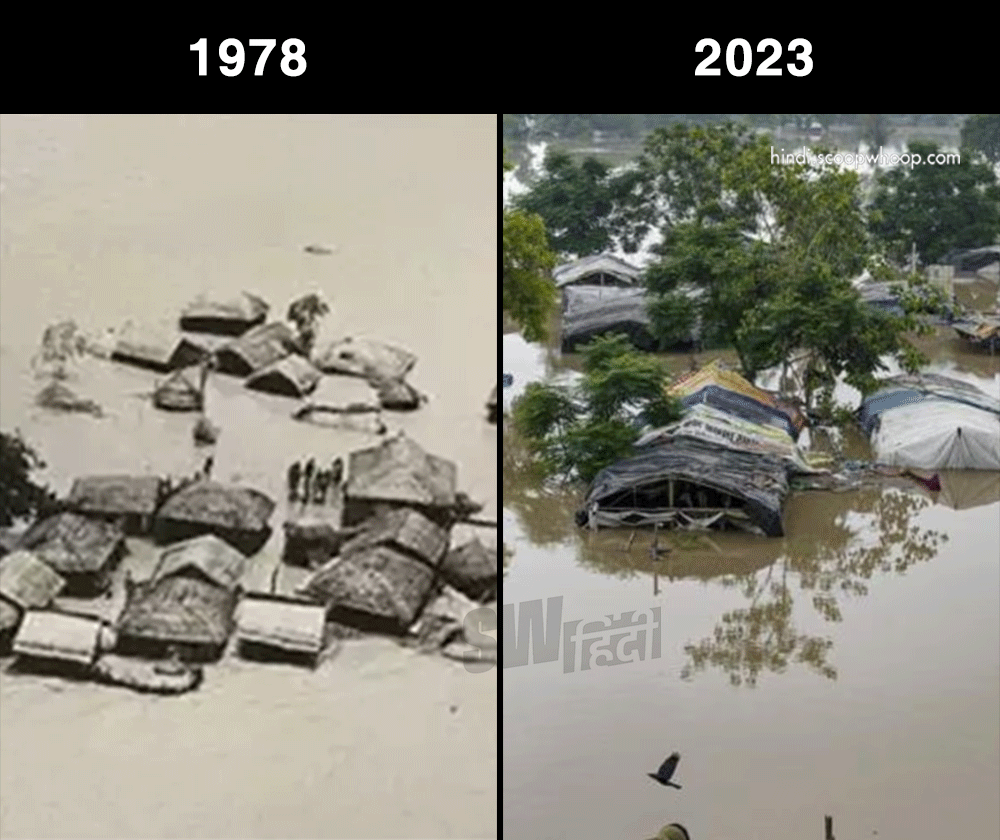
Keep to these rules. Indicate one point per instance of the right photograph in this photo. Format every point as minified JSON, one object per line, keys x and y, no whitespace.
{"x":750,"y":407}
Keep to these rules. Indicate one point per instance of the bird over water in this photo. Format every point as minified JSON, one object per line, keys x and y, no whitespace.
{"x":666,"y":771}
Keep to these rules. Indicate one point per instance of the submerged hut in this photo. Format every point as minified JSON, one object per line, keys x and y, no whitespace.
{"x":25,"y":583}
{"x":238,"y":515}
{"x":156,"y":349}
{"x":313,"y":534}
{"x":268,"y":624}
{"x":58,"y":397}
{"x":83,"y":551}
{"x":597,"y":270}
{"x":256,"y":349}
{"x":188,"y":604}
{"x":232,"y":316}
{"x":293,"y":376}
{"x":179,"y":392}
{"x":398,"y":473}
{"x":405,"y":530}
{"x":130,"y":499}
{"x":373,"y":360}
{"x":606,"y":311}
{"x":398,"y":395}
{"x":982,"y":332}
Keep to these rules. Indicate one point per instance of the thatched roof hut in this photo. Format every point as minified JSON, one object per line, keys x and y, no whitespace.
{"x":397,"y":472}
{"x":472,"y":570}
{"x":398,"y":395}
{"x":58,"y":397}
{"x":293,"y":376}
{"x":155,"y":348}
{"x":406,"y":530}
{"x":131,"y":499}
{"x":364,"y":357}
{"x":224,"y":317}
{"x":25,"y":582}
{"x":209,"y":556}
{"x":238,"y":515}
{"x":178,"y":392}
{"x":256,"y":349}
{"x":83,"y":551}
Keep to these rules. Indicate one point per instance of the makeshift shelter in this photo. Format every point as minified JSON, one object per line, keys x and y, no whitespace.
{"x":155,"y":348}
{"x":233,"y":316}
{"x":83,"y":551}
{"x":597,"y":270}
{"x":398,"y":473}
{"x":25,"y":583}
{"x":179,"y":392}
{"x":690,"y":483}
{"x":983,"y":332}
{"x":472,"y":569}
{"x":188,"y":604}
{"x":585,"y":317}
{"x":238,"y":515}
{"x":729,"y":392}
{"x":373,"y":360}
{"x":256,"y":349}
{"x":896,"y":391}
{"x":132,"y":500}
{"x":293,"y":376}
{"x":403,"y":529}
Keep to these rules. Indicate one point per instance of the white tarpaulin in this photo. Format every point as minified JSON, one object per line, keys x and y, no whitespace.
{"x":938,"y":434}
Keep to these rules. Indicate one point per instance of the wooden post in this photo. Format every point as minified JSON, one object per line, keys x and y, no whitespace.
{"x":829,"y":828}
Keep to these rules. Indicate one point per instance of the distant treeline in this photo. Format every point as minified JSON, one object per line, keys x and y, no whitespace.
{"x":520,"y":127}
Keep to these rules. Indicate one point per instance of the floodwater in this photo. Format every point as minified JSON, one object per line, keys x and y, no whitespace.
{"x":851,"y":668}
{"x":110,"y":218}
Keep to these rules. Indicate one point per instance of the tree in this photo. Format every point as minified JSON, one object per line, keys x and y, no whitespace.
{"x":575,"y":432}
{"x":875,"y":130}
{"x":305,"y":313}
{"x":981,"y":133}
{"x":529,"y":295}
{"x":939,"y":208}
{"x":61,"y":344}
{"x":20,"y":496}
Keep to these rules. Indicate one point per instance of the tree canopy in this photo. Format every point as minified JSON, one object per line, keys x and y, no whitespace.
{"x":20,"y":496}
{"x":981,"y":133}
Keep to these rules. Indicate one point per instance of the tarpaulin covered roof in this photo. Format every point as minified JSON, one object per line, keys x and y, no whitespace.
{"x":593,"y":311}
{"x":597,"y":264}
{"x":907,"y":390}
{"x":635,"y":491}
{"x":729,"y":392}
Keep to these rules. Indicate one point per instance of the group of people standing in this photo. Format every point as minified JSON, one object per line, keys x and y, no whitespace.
{"x":310,"y":483}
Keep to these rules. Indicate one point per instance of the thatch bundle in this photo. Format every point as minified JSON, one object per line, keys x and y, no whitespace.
{"x":380,"y":588}
{"x":363,"y":357}
{"x":472,"y":569}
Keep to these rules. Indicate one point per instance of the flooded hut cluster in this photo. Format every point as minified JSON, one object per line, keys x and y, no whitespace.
{"x":382,"y":541}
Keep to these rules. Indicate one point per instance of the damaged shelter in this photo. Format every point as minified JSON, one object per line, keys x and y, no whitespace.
{"x":130,"y":500}
{"x":232,"y":316}
{"x":369,"y":359}
{"x":238,"y":515}
{"x":188,"y":604}
{"x":589,"y":313}
{"x":178,"y":391}
{"x":982,"y":331}
{"x":258,"y":348}
{"x":84,"y":552}
{"x":597,"y":270}
{"x":156,"y":349}
{"x":930,"y":421}
{"x":398,"y":473}
{"x":292,"y":376}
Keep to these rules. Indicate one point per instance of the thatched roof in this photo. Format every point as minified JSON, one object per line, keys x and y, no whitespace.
{"x":219,"y":505}
{"x":9,"y":615}
{"x":116,"y":494}
{"x":73,"y":544}
{"x":231,"y":316}
{"x":615,"y":269}
{"x":178,"y":393}
{"x":156,"y":348}
{"x":215,"y":559}
{"x":293,"y":376}
{"x":28,"y":582}
{"x":365,"y":357}
{"x":404,"y":529}
{"x":399,"y":470}
{"x":256,"y":349}
{"x":398,"y":395}
{"x":58,"y":397}
{"x":383,"y":583}
{"x":472,"y":569}
{"x":179,"y":609}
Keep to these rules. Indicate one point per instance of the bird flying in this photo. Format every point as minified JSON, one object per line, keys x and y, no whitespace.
{"x":666,"y":771}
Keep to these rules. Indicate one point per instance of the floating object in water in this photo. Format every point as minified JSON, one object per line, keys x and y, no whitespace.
{"x":666,"y":771}
{"x":320,"y":249}
{"x":170,"y":677}
{"x":205,"y":432}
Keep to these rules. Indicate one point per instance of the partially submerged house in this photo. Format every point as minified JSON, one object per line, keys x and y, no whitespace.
{"x":367,"y":358}
{"x":258,"y":348}
{"x":156,"y":348}
{"x":932,"y":422}
{"x":25,"y":583}
{"x":83,"y":551}
{"x":292,"y":376}
{"x":982,"y":331}
{"x":179,"y":392}
{"x":398,"y":473}
{"x":188,"y":603}
{"x":130,"y":500}
{"x":226,"y":316}
{"x":404,"y":529}
{"x":588,"y":315}
{"x":238,"y":515}
{"x":597,"y":270}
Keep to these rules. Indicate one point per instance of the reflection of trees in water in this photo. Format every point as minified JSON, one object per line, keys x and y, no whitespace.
{"x":833,"y":562}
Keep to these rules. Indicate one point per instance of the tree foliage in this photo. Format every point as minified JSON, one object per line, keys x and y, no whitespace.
{"x":981,"y":133}
{"x":939,"y":208}
{"x":20,"y":496}
{"x":575,"y":432}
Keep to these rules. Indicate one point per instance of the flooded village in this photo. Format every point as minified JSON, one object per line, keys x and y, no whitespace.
{"x":797,"y":606}
{"x":250,"y":356}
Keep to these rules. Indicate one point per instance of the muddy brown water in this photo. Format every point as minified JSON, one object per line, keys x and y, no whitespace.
{"x":851,"y":668}
{"x":109,"y":218}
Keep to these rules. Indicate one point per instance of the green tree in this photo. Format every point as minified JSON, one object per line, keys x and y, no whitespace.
{"x":529,"y":295}
{"x":981,"y":132}
{"x":937,"y":207}
{"x":305,"y":313}
{"x":20,"y":496}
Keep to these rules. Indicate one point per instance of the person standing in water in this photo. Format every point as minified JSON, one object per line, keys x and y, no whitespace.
{"x":308,"y":479}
